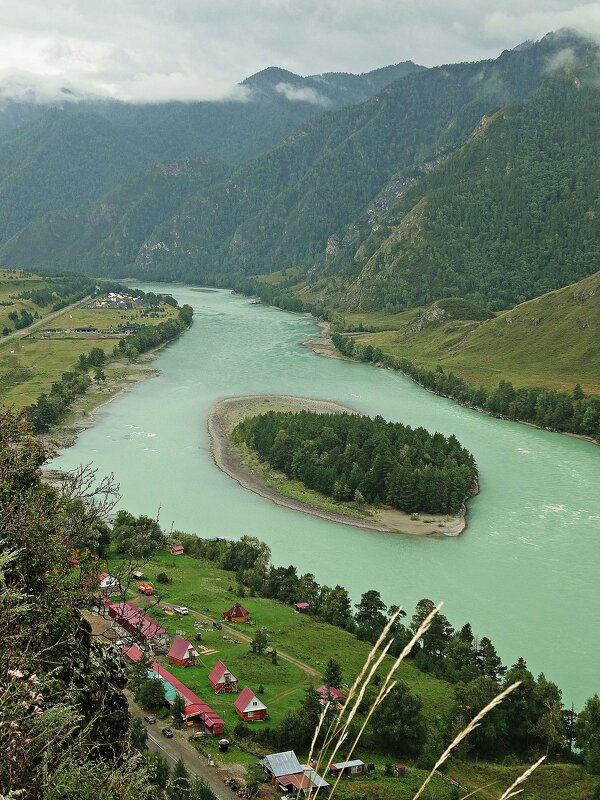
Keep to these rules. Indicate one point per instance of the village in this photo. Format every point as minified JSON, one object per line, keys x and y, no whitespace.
{"x":111,"y":315}
{"x":204,"y":700}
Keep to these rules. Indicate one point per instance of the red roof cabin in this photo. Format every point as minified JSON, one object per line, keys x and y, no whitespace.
{"x":195,"y":707}
{"x":177,"y":550}
{"x":183,"y":653}
{"x":329,"y":694}
{"x":249,"y":707}
{"x":132,"y":653}
{"x":301,"y":608}
{"x":133,"y":619}
{"x":237,"y":613}
{"x":222,"y":680}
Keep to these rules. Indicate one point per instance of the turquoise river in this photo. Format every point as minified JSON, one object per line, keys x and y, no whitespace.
{"x":526,"y":572}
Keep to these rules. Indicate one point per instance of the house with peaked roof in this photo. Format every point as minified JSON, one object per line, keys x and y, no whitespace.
{"x":289,"y":775}
{"x":249,"y":707}
{"x":135,"y":621}
{"x":329,"y":694}
{"x":195,"y":708}
{"x":177,"y":550}
{"x":237,"y":613}
{"x":107,"y":584}
{"x":183,"y":653}
{"x":221,"y":679}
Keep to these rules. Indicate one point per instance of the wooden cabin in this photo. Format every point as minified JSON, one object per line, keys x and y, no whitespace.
{"x":176,"y":550}
{"x":249,"y":707}
{"x":301,"y":608}
{"x":348,"y":769}
{"x":222,"y":680}
{"x":183,"y":653}
{"x":237,"y":613}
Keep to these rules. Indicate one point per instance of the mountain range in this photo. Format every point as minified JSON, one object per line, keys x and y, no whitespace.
{"x":376,"y":192}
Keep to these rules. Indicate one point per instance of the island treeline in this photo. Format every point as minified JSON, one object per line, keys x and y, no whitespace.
{"x":351,"y":457}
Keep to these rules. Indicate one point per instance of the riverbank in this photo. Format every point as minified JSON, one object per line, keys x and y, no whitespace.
{"x":244,"y":467}
{"x":324,"y":346}
{"x":121,"y":376}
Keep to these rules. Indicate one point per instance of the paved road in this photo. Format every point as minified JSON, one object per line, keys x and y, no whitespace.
{"x":26,"y":331}
{"x":179,"y":748}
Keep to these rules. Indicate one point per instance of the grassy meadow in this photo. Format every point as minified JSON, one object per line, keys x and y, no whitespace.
{"x":550,"y":342}
{"x":32,"y":362}
{"x":209,"y":590}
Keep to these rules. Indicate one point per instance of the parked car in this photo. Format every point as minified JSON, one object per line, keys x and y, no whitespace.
{"x":167,"y":733}
{"x":181,"y":610}
{"x":217,"y":626}
{"x":149,"y":719}
{"x":145,"y":588}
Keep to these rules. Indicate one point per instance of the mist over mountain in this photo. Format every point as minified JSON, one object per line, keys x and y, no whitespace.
{"x":349,"y":198}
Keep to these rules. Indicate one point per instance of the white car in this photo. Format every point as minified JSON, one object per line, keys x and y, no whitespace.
{"x":181,"y":610}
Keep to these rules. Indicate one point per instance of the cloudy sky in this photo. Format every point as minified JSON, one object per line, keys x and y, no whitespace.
{"x":145,"y":50}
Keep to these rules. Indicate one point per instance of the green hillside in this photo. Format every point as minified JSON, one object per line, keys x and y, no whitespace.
{"x":551,"y":341}
{"x":508,"y":217}
{"x":107,"y":235}
{"x":61,"y":160}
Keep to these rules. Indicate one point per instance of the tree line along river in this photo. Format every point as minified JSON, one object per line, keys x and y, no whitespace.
{"x":525,"y":572}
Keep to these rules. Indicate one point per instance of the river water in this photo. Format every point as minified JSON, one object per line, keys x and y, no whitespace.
{"x":525,"y":572}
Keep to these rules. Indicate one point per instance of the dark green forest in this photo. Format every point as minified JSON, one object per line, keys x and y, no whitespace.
{"x":280,"y":209}
{"x":350,"y":457}
{"x":509,"y":217}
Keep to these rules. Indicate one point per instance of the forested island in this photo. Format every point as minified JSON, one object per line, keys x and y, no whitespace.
{"x":353,"y":458}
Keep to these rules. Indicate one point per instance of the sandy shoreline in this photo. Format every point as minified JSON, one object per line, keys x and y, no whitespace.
{"x":224,"y":416}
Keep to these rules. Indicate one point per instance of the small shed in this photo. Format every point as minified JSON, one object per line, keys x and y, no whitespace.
{"x":137,"y":574}
{"x":176,"y":550}
{"x":221,"y":679}
{"x":249,"y":707}
{"x":132,"y":653}
{"x":301,"y":608}
{"x":399,"y":770}
{"x":237,"y":613}
{"x":183,"y":653}
{"x":348,"y":768}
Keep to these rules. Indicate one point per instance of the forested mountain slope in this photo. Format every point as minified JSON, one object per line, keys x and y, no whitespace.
{"x":108,"y":234}
{"x":67,"y":156}
{"x":510,"y":216}
{"x":62,"y":159}
{"x":281,"y":208}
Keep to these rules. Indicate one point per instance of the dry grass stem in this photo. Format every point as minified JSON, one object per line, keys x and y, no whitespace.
{"x":509,"y":792}
{"x":386,"y":688}
{"x":465,"y":732}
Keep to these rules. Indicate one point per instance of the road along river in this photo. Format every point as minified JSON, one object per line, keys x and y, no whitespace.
{"x":525,"y":572}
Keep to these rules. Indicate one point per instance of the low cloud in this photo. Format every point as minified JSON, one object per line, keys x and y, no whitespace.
{"x":152,"y":50}
{"x":298,"y":94}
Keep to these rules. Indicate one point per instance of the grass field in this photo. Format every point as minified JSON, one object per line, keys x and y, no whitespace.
{"x":29,"y":365}
{"x":551,"y":341}
{"x":205,"y":588}
{"x":12,"y":283}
